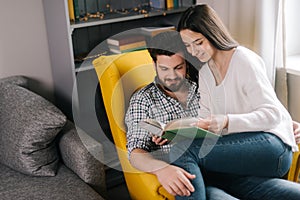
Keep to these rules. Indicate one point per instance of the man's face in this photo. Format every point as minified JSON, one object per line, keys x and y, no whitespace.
{"x":171,"y":71}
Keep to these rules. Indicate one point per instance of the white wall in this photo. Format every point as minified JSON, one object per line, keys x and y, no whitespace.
{"x":228,"y":10}
{"x":23,"y":43}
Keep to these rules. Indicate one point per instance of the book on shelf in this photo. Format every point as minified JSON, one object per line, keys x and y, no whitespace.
{"x":71,"y":10}
{"x":79,"y":9}
{"x":152,"y":31}
{"x":169,"y":4}
{"x":176,"y":3}
{"x":128,"y":46}
{"x":160,"y":4}
{"x":118,"y":40}
{"x":179,"y":128}
{"x":127,"y":50}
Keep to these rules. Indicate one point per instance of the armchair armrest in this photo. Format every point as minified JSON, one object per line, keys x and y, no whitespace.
{"x":83,"y":155}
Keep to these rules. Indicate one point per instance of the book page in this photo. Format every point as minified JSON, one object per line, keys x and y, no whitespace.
{"x":153,"y":126}
{"x":181,"y":123}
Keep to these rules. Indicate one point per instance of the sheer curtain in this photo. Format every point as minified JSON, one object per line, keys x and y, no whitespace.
{"x":259,"y":25}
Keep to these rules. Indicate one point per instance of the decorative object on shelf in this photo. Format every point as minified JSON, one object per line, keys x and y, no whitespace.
{"x":83,"y":57}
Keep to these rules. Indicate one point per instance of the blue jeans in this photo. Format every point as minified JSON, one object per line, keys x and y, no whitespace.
{"x":230,"y":187}
{"x":246,"y":154}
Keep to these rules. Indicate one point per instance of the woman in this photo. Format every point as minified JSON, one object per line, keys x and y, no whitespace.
{"x":238,"y":102}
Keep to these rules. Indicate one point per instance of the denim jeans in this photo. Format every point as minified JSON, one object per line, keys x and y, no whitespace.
{"x":246,"y":154}
{"x":249,"y":187}
{"x":214,"y":193}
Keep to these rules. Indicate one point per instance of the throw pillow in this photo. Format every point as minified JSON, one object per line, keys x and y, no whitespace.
{"x":28,"y":127}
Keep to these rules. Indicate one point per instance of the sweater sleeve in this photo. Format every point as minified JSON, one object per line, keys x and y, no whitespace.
{"x":263,"y":104}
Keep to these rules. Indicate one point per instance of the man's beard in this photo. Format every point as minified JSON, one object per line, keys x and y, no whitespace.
{"x":172,"y":87}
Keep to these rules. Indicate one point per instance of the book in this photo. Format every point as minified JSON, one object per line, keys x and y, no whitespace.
{"x":176,"y":3}
{"x":169,"y":4}
{"x":71,"y":10}
{"x":128,"y":46}
{"x":160,"y":4}
{"x":152,"y":31}
{"x":79,"y":9}
{"x":181,"y":128}
{"x":118,"y":40}
{"x":127,"y":50}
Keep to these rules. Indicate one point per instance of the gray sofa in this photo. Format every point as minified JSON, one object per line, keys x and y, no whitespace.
{"x":42,"y":155}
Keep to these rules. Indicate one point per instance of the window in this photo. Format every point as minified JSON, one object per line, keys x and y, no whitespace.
{"x":292,"y":16}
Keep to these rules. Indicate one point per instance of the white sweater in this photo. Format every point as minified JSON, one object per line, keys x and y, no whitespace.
{"x":246,"y":97}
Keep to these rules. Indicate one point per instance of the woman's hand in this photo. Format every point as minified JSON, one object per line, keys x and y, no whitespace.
{"x":214,"y":123}
{"x":296,"y":128}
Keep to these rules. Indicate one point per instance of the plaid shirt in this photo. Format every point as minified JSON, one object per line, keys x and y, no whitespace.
{"x":151,"y":103}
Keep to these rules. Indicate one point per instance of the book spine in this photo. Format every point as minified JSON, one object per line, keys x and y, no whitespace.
{"x":81,"y":7}
{"x":169,"y":4}
{"x":127,"y":50}
{"x":76,"y":10}
{"x":158,"y":4}
{"x":71,"y":10}
{"x":129,"y":46}
{"x":176,"y":3}
{"x":123,"y":41}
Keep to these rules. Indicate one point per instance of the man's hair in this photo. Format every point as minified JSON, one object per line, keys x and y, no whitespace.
{"x":203,"y":19}
{"x":166,"y":43}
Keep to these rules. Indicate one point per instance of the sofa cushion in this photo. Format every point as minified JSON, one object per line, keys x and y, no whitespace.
{"x":64,"y":186}
{"x":83,"y":155}
{"x":28,"y":127}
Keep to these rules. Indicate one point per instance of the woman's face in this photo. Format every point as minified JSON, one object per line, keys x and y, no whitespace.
{"x":197,"y":45}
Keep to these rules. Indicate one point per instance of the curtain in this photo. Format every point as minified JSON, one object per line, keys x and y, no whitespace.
{"x":269,"y":43}
{"x":259,"y":25}
{"x":280,"y":73}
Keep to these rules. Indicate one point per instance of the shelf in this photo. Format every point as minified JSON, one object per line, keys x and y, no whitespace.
{"x":119,"y":17}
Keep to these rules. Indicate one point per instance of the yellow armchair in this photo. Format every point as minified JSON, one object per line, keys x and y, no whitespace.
{"x":294,"y":172}
{"x":119,"y":76}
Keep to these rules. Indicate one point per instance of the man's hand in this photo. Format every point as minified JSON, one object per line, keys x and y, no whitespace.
{"x":296,"y":128}
{"x":175,"y":180}
{"x":158,"y":140}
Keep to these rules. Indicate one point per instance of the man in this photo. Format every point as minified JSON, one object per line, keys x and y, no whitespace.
{"x":172,"y":96}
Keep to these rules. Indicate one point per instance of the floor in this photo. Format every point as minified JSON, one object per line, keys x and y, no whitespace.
{"x":116,"y":186}
{"x":119,"y":192}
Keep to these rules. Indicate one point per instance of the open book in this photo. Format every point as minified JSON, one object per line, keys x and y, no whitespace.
{"x":179,"y":127}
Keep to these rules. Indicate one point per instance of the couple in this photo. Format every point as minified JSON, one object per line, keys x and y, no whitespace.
{"x":258,"y":137}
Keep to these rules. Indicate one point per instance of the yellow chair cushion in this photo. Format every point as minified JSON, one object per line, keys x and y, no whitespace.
{"x":294,"y":172}
{"x":119,"y":76}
